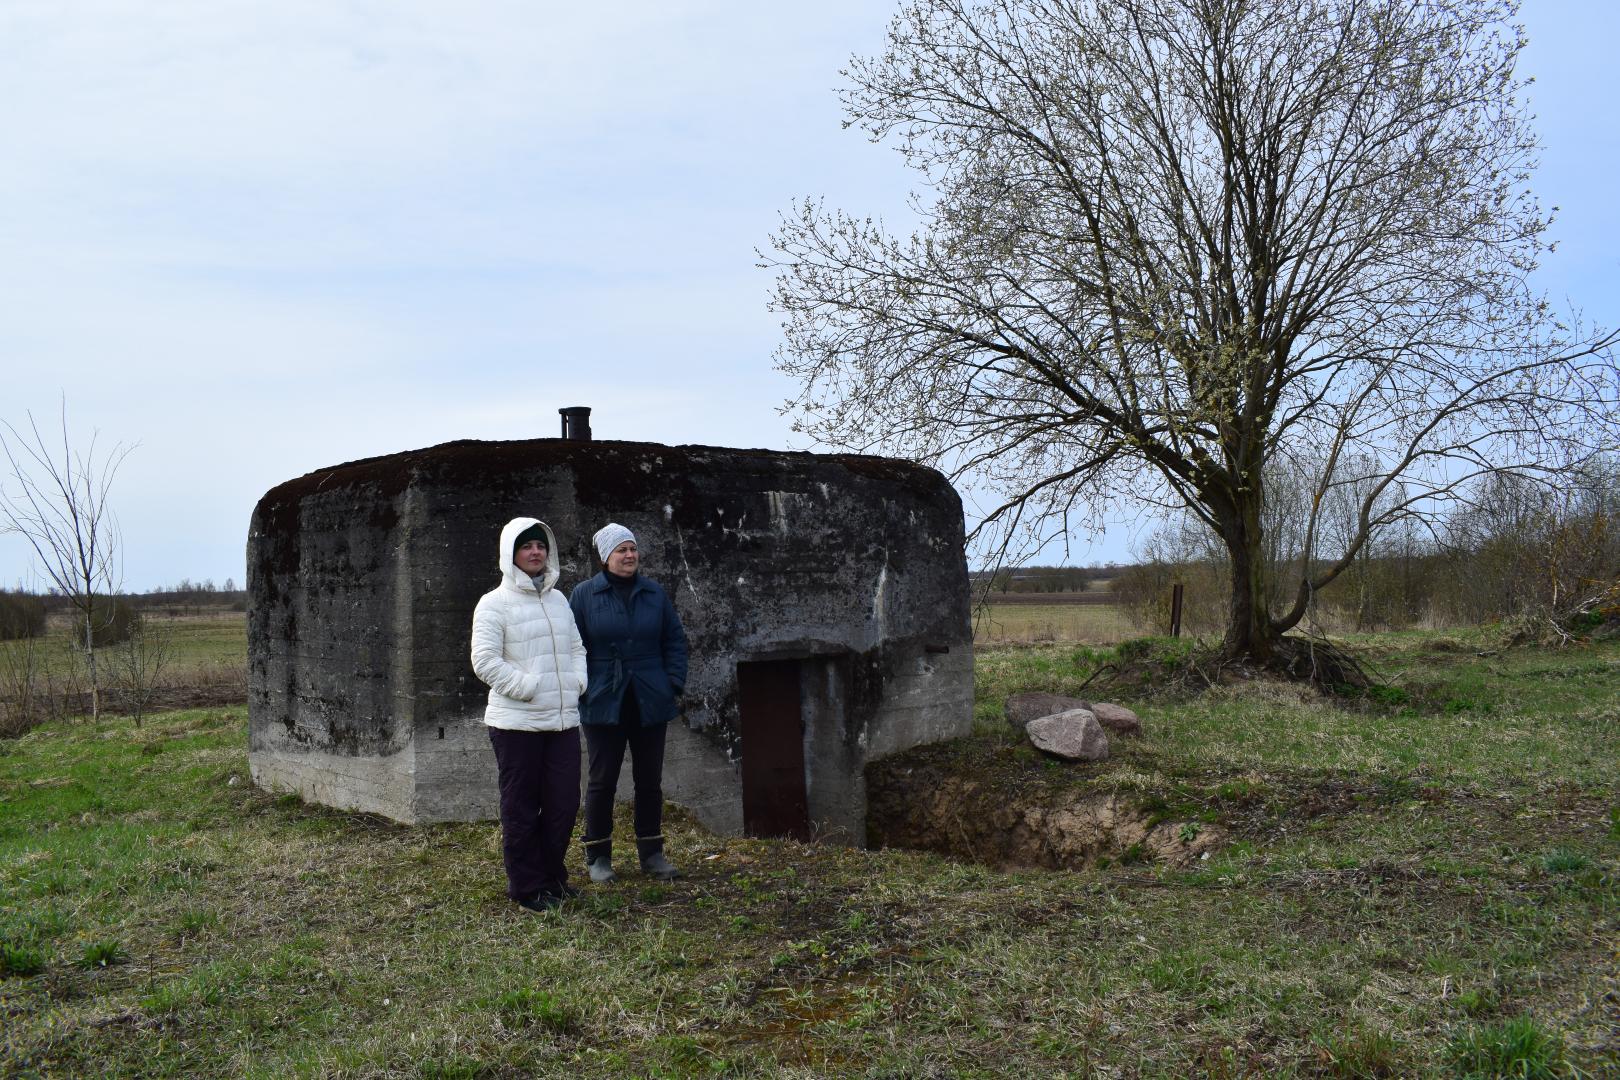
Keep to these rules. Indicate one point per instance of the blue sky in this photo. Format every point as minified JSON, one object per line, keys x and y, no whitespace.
{"x":258,"y":239}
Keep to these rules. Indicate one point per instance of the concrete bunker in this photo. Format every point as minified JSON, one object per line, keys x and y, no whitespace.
{"x":825,"y":598}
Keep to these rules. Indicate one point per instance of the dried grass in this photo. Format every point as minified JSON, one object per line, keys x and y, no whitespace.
{"x":1391,"y":871}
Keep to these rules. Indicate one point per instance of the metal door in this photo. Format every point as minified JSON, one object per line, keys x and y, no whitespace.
{"x":774,"y":798}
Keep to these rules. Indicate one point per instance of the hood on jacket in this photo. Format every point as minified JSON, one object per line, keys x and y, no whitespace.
{"x":509,"y":569}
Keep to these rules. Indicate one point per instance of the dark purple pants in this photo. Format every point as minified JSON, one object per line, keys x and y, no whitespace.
{"x":539,"y":778}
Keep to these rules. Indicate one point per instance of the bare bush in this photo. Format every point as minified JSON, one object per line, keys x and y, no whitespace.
{"x":21,"y":616}
{"x":1174,"y":557}
{"x":19,"y":687}
{"x":146,"y":652}
{"x":1542,"y":555}
{"x":110,"y":620}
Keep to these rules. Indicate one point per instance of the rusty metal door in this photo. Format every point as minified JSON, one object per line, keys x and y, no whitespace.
{"x":774,"y":798}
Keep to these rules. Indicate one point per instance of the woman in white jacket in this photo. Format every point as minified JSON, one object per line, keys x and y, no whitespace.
{"x":526,"y":647}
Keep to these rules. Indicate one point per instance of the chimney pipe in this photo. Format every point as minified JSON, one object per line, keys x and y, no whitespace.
{"x":576,"y":423}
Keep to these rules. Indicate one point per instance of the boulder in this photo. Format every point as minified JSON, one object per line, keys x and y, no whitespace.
{"x":1074,"y":735}
{"x":1022,"y":708}
{"x":1117,"y":718}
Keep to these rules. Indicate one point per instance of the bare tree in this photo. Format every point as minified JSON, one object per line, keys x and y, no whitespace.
{"x":1172,"y":242}
{"x":141,"y":660}
{"x":58,"y":501}
{"x":1541,"y":556}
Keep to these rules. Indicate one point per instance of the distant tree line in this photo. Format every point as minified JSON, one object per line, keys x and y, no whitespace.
{"x":1543,"y":555}
{"x":195,"y":595}
{"x":21,"y":615}
{"x":1039,"y":579}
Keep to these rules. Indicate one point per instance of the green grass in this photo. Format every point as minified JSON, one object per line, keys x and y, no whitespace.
{"x":1096,"y":624}
{"x":1406,"y":889}
{"x":210,"y":639}
{"x":1517,"y":1048}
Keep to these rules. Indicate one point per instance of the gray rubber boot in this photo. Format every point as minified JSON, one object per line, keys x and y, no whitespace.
{"x":654,"y":862}
{"x":599,"y":861}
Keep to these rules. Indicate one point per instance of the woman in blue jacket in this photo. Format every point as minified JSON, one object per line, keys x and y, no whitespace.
{"x":635,"y":650}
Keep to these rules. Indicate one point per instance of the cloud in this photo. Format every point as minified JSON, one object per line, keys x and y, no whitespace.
{"x":260,"y":238}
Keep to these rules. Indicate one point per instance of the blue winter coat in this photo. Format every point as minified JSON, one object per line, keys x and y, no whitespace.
{"x":646,"y":644}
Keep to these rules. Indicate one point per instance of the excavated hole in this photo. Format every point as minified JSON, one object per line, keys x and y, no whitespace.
{"x":929,"y":809}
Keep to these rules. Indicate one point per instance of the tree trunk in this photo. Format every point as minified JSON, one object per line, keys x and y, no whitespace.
{"x":1250,"y":632}
{"x":90,"y":661}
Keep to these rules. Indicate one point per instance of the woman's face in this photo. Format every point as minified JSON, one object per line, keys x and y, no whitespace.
{"x":623,"y":560}
{"x":531,"y":557}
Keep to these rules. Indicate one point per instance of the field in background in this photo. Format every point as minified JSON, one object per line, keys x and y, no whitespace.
{"x":200,"y":641}
{"x":1084,"y":618}
{"x":211,"y":648}
{"x":205,"y":663}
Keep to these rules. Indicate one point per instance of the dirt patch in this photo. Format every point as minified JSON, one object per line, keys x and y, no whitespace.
{"x":1005,"y":807}
{"x":926,"y":806}
{"x":218,"y":689}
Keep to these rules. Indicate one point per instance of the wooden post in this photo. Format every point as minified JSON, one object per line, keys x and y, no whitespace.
{"x":1175,"y":609}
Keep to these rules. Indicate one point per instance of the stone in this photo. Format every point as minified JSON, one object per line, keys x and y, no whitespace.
{"x":828,"y":590}
{"x":1074,"y":735}
{"x":1022,"y":708}
{"x":1117,"y":718}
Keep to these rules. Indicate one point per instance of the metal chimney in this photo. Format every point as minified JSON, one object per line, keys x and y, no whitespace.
{"x":576,"y":423}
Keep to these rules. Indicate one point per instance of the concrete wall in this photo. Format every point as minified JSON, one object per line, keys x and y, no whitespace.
{"x":363,"y":577}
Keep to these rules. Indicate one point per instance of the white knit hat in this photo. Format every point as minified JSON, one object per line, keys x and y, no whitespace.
{"x":609,"y":537}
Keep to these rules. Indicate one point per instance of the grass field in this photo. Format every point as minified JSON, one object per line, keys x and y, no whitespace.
{"x":200,"y":642}
{"x":1092,"y":624}
{"x":1425,"y":884}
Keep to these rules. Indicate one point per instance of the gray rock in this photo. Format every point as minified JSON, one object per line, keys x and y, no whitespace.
{"x":1022,"y":708}
{"x":1074,"y":735}
{"x":1117,"y":718}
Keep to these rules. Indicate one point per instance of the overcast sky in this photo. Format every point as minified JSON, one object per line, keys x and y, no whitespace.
{"x":261,"y":238}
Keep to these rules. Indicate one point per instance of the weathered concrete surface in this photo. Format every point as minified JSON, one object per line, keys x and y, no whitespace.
{"x":363,"y":578}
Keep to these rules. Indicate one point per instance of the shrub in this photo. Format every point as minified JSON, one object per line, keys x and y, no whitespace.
{"x":523,"y":1007}
{"x":1564,"y":860}
{"x":1361,"y":1052}
{"x":1516,"y":1048}
{"x":21,"y":616}
{"x":19,"y":959}
{"x":112,"y":620}
{"x":102,"y":954}
{"x":1144,"y":592}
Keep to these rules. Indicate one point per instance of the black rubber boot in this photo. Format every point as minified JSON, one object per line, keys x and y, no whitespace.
{"x":653,"y":861}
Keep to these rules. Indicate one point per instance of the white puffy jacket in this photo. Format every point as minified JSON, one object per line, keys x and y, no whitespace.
{"x":526,"y":647}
